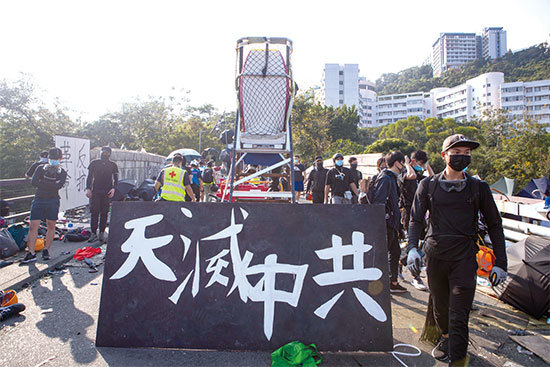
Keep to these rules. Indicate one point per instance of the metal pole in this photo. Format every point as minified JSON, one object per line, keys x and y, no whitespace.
{"x":200,"y":136}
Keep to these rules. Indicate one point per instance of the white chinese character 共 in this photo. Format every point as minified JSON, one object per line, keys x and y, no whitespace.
{"x":339,"y":275}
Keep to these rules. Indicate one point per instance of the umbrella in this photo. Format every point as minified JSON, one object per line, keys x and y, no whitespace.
{"x":123,"y":188}
{"x":146,"y":190}
{"x":535,"y":189}
{"x":528,"y":284}
{"x":504,"y":186}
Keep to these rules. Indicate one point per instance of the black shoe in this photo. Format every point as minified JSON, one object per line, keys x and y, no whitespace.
{"x":45,"y":255}
{"x":29,"y":258}
{"x":397,"y":288}
{"x":441,"y":350}
{"x":11,"y":310}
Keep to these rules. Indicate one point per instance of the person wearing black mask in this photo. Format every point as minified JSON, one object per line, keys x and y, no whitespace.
{"x":316,"y":181}
{"x":454,"y":199}
{"x":339,"y":182}
{"x":100,"y":188}
{"x":386,"y":192}
{"x":356,"y":176}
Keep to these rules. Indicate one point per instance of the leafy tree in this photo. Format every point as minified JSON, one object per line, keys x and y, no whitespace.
{"x":27,"y":126}
{"x":389,"y":145}
{"x":310,"y":128}
{"x":346,"y":147}
{"x":343,"y":122}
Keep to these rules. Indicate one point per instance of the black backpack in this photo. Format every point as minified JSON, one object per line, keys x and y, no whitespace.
{"x":371,"y":190}
{"x":208,"y":176}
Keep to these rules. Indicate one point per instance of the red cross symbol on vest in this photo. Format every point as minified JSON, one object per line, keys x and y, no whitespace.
{"x":172,"y":174}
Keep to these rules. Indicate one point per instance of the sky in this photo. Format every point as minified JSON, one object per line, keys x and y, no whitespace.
{"x":95,"y":55}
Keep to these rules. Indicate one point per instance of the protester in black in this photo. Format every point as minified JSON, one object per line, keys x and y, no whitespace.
{"x":316,"y":181}
{"x":386,"y":192}
{"x":48,"y":179}
{"x":32,"y":169}
{"x":454,"y":199}
{"x":299,"y":170}
{"x":100,"y":188}
{"x":407,"y":183}
{"x":339,"y":182}
{"x":356,"y":176}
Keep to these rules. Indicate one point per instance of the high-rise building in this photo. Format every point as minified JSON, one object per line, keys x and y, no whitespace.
{"x":493,"y":40}
{"x":452,"y":50}
{"x":342,"y":85}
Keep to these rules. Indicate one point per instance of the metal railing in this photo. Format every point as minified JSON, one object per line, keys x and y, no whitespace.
{"x":18,"y":192}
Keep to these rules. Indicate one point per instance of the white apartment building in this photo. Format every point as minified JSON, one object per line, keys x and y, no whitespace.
{"x":367,"y":103}
{"x":527,"y":99}
{"x":340,"y":85}
{"x":468,"y":100}
{"x":394,"y":107}
{"x":493,"y":41}
{"x":463,"y":102}
{"x":451,"y":50}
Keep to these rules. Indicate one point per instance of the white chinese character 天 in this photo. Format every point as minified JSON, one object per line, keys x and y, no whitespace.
{"x":339,"y":275}
{"x":139,"y":247}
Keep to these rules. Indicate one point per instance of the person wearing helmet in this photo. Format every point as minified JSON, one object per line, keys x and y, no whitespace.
{"x":339,"y":182}
{"x":100,"y":189}
{"x":48,"y":180}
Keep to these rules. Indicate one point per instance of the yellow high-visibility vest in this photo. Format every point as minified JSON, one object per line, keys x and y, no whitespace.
{"x":173,"y":188}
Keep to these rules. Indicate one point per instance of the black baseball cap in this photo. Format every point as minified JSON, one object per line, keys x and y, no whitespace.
{"x":44,"y":154}
{"x":319,"y":157}
{"x":458,"y":140}
{"x":106,"y":149}
{"x":55,"y":154}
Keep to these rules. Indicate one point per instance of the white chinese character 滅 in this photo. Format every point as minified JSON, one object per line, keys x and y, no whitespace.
{"x":339,"y":275}
{"x":264,"y":290}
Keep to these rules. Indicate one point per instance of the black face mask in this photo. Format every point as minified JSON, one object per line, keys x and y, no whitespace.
{"x":319,"y":165}
{"x":353,"y":166}
{"x":459,"y":161}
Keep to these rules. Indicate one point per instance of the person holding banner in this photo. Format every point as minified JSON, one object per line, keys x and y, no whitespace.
{"x":100,"y":188}
{"x":48,"y":179}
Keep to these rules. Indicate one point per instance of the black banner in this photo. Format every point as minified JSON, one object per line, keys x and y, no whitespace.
{"x":246,"y":276}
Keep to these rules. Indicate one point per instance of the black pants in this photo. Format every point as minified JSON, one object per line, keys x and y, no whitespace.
{"x":452,"y":287}
{"x":394,"y":252}
{"x":99,"y":206}
{"x":318,"y":197}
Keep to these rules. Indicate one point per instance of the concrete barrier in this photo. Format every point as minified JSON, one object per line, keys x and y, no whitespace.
{"x":134,"y":165}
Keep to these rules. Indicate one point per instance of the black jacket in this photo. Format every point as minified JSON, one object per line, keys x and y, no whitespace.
{"x":452,"y":226}
{"x":386,"y":192}
{"x":316,"y":180}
